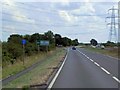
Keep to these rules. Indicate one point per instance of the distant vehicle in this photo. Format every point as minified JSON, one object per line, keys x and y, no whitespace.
{"x":73,"y":48}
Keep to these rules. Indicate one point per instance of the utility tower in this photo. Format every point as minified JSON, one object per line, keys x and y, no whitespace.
{"x":119,"y":21}
{"x":112,"y":23}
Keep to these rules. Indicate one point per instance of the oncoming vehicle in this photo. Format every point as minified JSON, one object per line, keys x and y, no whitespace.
{"x":73,"y":48}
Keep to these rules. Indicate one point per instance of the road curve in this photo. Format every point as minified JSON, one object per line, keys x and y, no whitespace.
{"x":84,"y":69}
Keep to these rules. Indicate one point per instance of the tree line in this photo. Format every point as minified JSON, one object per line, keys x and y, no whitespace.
{"x":108,"y":43}
{"x":12,"y":49}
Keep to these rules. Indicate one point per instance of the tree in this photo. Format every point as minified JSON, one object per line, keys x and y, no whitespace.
{"x":58,"y":39}
{"x":75,"y":42}
{"x":14,"y":45}
{"x":6,"y":56}
{"x":49,"y":36}
{"x":93,"y":42}
{"x":15,"y":38}
{"x":30,"y":48}
{"x":27,"y":37}
{"x":34,"y":37}
{"x":65,"y":41}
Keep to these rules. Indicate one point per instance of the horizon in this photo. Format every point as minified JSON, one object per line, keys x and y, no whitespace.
{"x":76,"y":20}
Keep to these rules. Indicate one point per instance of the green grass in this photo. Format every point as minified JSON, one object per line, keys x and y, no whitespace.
{"x":18,"y":66}
{"x":111,"y":51}
{"x":40,"y":74}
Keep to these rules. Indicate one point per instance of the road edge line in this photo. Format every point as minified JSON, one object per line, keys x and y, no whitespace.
{"x":58,"y":72}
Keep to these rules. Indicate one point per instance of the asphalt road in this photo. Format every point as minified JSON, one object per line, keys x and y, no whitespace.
{"x":84,"y":69}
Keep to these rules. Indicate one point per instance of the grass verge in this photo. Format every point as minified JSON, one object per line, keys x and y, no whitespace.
{"x":18,"y":66}
{"x":107,"y":51}
{"x":40,"y":74}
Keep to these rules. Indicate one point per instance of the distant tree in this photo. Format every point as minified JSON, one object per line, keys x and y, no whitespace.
{"x":16,"y":50}
{"x":34,"y":37}
{"x":49,"y":36}
{"x":13,"y":48}
{"x":58,"y":39}
{"x":75,"y":42}
{"x":30,"y":48}
{"x":65,"y":41}
{"x":109,"y":43}
{"x":69,"y":42}
{"x":93,"y":42}
{"x":27,"y":37}
{"x":14,"y":45}
{"x":15,"y":38}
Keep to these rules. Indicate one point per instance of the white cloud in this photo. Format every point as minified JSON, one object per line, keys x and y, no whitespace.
{"x":67,"y":16}
{"x":10,"y":29}
{"x":87,"y":8}
{"x":17,"y":14}
{"x":65,"y":2}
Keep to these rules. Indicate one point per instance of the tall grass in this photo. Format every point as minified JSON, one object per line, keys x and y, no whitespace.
{"x":40,"y":74}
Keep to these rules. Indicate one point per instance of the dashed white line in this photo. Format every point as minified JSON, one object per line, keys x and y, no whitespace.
{"x":91,"y":60}
{"x":96,"y":64}
{"x":88,"y":57}
{"x":116,"y":79}
{"x":104,"y":70}
{"x":100,"y":67}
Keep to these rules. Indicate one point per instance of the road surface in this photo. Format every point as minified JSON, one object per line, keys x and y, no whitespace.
{"x":85,"y":69}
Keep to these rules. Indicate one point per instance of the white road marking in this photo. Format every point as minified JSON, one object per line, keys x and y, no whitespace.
{"x":91,"y":60}
{"x":58,"y":72}
{"x":105,"y":70}
{"x":96,"y":64}
{"x":88,"y":58}
{"x":116,"y":79}
{"x":100,"y":67}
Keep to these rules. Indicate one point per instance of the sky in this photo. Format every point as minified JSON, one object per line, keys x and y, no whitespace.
{"x":73,"y":19}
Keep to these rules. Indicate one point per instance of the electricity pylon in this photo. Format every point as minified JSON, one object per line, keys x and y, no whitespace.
{"x":112,"y":24}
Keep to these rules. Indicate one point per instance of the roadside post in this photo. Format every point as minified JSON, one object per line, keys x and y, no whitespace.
{"x":23,"y":45}
{"x":38,"y":45}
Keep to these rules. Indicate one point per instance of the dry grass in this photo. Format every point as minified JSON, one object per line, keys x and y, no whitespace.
{"x":40,"y":74}
{"x":18,"y":66}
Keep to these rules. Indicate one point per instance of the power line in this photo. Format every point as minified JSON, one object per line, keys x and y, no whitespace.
{"x":27,"y":9}
{"x":8,"y":28}
{"x":14,"y":29}
{"x":20,"y":16}
{"x":22,"y":22}
{"x":50,"y":25}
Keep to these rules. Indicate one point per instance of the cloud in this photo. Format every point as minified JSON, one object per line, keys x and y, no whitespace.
{"x":65,"y":2}
{"x":67,"y":16}
{"x":10,"y":29}
{"x":85,"y":9}
{"x":16,"y":13}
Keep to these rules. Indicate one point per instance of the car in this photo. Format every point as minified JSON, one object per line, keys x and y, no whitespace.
{"x":73,"y":48}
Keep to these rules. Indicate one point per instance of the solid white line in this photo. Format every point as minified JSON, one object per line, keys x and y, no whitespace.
{"x":96,"y":64}
{"x":105,"y":70}
{"x":116,"y":79}
{"x":54,"y":79}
